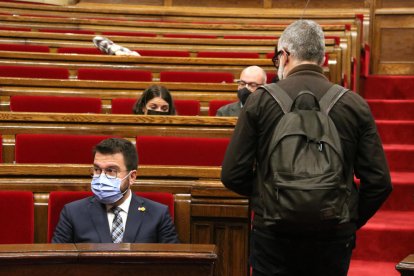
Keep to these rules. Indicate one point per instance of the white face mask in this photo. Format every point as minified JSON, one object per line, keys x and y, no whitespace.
{"x":280,"y":71}
{"x":107,"y":191}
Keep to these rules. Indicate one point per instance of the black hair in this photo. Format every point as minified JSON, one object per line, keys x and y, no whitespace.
{"x":152,"y":92}
{"x":119,"y":145}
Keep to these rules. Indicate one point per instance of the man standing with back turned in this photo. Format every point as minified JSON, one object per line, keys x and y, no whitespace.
{"x":298,"y":246}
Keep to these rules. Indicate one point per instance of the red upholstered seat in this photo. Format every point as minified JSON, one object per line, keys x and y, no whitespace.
{"x":12,"y":71}
{"x":67,"y":31}
{"x":249,"y":37}
{"x":186,"y":151}
{"x":214,"y":105}
{"x":183,"y":107}
{"x":389,"y":87}
{"x":79,"y":50}
{"x":227,"y":55}
{"x":189,"y":36}
{"x":163,"y":53}
{"x":270,"y":76}
{"x":129,"y":34}
{"x":55,"y":148}
{"x":15,"y":29}
{"x":24,"y":48}
{"x":55,"y":104}
{"x":17,"y":217}
{"x":114,"y":74}
{"x":206,"y":77}
{"x":58,"y":199}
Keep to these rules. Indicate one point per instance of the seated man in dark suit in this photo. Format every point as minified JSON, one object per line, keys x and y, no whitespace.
{"x":114,"y":213}
{"x":250,"y":79}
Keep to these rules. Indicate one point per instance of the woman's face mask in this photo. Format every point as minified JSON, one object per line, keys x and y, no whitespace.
{"x":157,"y":106}
{"x":107,"y":191}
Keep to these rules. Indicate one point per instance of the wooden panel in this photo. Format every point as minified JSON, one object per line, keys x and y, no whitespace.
{"x":393,"y":40}
{"x":320,"y":4}
{"x":219,"y":3}
{"x":395,"y":4}
{"x":108,"y":259}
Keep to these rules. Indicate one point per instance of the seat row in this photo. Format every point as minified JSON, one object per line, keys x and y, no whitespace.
{"x":63,"y":104}
{"x":17,"y":212}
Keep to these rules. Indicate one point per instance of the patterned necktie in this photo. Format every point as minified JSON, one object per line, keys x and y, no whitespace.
{"x":117,"y":226}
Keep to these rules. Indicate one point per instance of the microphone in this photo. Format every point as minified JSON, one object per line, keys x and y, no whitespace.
{"x":110,"y":48}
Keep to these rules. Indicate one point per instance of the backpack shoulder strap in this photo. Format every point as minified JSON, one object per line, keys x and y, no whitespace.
{"x":331,"y":97}
{"x":280,"y":95}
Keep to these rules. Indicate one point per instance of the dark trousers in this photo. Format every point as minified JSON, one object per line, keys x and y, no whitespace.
{"x":273,"y":254}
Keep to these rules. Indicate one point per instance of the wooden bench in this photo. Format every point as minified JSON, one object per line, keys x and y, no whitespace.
{"x":127,"y":126}
{"x":205,"y":211}
{"x":108,"y":259}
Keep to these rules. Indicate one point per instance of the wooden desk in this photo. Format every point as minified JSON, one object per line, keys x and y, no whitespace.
{"x":406,"y":266}
{"x":108,"y":259}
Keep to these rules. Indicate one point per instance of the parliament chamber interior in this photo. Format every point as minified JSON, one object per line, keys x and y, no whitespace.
{"x":60,"y":95}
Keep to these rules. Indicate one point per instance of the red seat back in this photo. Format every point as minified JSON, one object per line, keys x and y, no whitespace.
{"x":163,"y":53}
{"x":12,"y":71}
{"x":129,"y":34}
{"x":114,"y":74}
{"x":24,"y":48}
{"x":189,"y":36}
{"x":55,"y":104}
{"x":203,"y":54}
{"x":183,"y":107}
{"x":56,"y":148}
{"x":58,"y":199}
{"x":186,"y":151}
{"x":17,"y":217}
{"x":214,"y":105}
{"x":67,"y":31}
{"x":206,"y":77}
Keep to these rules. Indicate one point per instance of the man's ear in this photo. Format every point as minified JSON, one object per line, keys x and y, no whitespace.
{"x":132,"y":177}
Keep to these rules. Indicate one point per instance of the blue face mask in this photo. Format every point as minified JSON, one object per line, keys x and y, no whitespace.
{"x":107,"y":191}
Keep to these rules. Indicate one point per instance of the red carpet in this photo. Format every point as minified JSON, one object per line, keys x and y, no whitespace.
{"x":389,"y":236}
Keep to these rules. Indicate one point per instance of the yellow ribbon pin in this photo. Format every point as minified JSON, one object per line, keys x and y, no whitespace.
{"x":141,"y":209}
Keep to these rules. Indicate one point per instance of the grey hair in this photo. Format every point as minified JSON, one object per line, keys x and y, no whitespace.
{"x":304,"y":40}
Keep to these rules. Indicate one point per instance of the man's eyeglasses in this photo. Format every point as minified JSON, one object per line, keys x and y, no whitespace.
{"x":252,"y":85}
{"x":110,"y":173}
{"x":276,"y":57}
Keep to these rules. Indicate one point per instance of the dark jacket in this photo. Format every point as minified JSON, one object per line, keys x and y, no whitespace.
{"x":86,"y":221}
{"x":232,"y":109}
{"x":245,"y":161}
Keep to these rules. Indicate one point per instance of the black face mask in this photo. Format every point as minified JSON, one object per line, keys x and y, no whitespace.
{"x":243,"y":94}
{"x":154,"y":112}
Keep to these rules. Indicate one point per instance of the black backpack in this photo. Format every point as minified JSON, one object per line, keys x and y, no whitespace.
{"x":305,"y":184}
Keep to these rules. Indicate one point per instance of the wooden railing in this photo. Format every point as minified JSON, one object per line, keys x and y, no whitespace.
{"x":108,"y":259}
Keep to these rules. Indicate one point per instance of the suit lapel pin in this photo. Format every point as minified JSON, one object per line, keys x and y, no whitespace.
{"x":141,"y":209}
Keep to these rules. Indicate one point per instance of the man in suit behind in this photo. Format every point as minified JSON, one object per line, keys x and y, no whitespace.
{"x":250,"y":79}
{"x":114,"y":213}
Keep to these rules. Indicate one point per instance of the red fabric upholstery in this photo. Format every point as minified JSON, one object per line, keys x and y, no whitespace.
{"x":55,"y":148}
{"x":214,"y":105}
{"x":24,"y":48}
{"x":249,"y":37}
{"x":189,"y":36}
{"x":163,"y":53}
{"x":129,"y":34}
{"x":227,"y":55}
{"x":17,"y":217}
{"x":389,"y":87}
{"x":365,"y":60}
{"x":206,"y":77}
{"x":79,"y":50}
{"x":270,"y":76}
{"x":55,"y":104}
{"x":67,"y":31}
{"x":58,"y":199}
{"x":187,"y":107}
{"x":186,"y":151}
{"x":183,"y":107}
{"x":114,"y":74}
{"x":15,"y":29}
{"x":12,"y":71}
{"x":392,"y":109}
